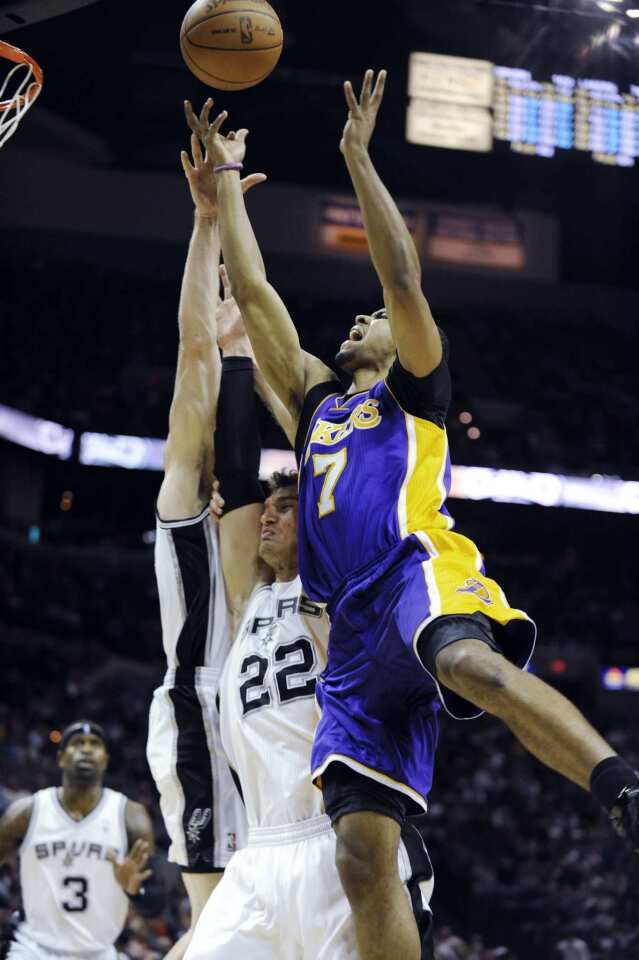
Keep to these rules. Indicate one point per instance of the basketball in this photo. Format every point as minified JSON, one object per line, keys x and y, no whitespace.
{"x":231,"y":44}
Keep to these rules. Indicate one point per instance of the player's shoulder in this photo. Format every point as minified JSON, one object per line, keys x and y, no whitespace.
{"x":16,"y":817}
{"x":137,"y":820}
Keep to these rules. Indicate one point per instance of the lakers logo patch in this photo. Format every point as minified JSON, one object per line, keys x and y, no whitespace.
{"x":477,"y":588}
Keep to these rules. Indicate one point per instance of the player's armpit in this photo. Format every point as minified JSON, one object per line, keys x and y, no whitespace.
{"x":14,"y":824}
{"x":415,"y":333}
{"x":239,"y":552}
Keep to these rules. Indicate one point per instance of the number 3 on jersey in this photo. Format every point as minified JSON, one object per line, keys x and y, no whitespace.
{"x":331,"y":464}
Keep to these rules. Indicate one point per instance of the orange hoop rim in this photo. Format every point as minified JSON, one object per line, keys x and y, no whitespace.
{"x":18,"y":56}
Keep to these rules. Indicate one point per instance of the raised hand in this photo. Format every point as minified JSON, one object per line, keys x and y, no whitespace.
{"x":232,"y":338}
{"x":362,"y":113}
{"x":130,"y":873}
{"x":229,"y":149}
{"x":219,"y":149}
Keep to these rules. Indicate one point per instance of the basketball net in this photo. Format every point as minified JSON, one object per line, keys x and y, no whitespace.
{"x":27,"y":75}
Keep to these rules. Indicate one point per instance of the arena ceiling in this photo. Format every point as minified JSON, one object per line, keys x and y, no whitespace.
{"x":113,"y":69}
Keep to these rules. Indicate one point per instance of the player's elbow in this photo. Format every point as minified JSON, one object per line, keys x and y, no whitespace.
{"x":249,"y":289}
{"x":404,"y":283}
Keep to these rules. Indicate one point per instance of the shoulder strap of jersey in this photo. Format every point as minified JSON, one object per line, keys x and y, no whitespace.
{"x":313,"y":399}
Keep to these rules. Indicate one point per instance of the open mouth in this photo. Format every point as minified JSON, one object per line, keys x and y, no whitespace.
{"x":356,"y":334}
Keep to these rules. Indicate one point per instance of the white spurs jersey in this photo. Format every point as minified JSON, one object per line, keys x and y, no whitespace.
{"x":195,"y":619}
{"x":268,"y":712}
{"x":72,"y":901}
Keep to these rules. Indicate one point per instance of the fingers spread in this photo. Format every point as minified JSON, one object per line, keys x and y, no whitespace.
{"x":351,"y":99}
{"x":217,"y":123}
{"x":191,"y":119}
{"x":366,"y":88}
{"x":196,"y":150}
{"x":378,"y":92}
{"x":187,"y":166}
{"x":204,"y":115}
{"x":241,"y":135}
{"x":252,"y":181}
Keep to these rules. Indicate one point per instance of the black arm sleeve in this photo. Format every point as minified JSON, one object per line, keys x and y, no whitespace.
{"x":426,"y":397}
{"x":237,"y":438}
{"x":151,"y":899}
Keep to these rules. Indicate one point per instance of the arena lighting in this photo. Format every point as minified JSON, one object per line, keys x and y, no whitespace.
{"x":602,"y":494}
{"x":633,"y":14}
{"x":598,"y":493}
{"x":620,"y":678}
{"x":36,"y":434}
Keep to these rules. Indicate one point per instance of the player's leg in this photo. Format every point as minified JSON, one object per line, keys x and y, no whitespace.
{"x":542,"y":719}
{"x":367,"y":847}
{"x":199,"y":887}
{"x":366,"y":818}
{"x":235,"y":923}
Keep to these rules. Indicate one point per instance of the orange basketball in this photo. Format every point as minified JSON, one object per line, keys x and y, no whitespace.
{"x":231,"y":44}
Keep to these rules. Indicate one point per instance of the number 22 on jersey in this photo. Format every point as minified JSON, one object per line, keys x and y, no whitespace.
{"x":331,"y":464}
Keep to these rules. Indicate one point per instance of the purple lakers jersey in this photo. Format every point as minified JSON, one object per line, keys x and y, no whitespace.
{"x":374,"y":469}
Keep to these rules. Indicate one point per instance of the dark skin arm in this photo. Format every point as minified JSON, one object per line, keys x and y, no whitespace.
{"x":131,"y":873}
{"x":13,"y":826}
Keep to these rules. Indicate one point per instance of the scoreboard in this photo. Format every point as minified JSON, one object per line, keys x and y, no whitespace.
{"x":469,"y":104}
{"x":566,"y":113}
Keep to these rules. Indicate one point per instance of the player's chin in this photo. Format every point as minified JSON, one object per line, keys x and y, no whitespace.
{"x":345,"y":357}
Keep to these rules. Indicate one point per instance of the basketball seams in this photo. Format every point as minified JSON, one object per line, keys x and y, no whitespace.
{"x":210,"y":63}
{"x":229,"y":13}
{"x":223,"y":79}
{"x":203,"y":46}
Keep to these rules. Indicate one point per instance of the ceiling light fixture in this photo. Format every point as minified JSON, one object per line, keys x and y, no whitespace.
{"x":633,"y":14}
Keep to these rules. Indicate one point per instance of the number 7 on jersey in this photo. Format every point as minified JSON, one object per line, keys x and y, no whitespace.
{"x":331,"y":464}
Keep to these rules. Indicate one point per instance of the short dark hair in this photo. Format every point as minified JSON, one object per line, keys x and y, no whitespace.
{"x":282,"y":480}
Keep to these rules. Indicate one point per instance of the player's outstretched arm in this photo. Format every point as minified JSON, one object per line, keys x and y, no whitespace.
{"x":391,"y":245}
{"x":189,"y":449}
{"x":237,"y":458}
{"x":14,"y":824}
{"x":289,"y":371}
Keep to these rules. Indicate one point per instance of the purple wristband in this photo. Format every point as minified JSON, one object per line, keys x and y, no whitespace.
{"x":228,"y":166}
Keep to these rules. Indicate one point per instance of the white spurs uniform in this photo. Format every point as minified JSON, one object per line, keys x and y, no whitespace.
{"x":280,"y":897}
{"x":73,"y":905}
{"x":200,"y":805}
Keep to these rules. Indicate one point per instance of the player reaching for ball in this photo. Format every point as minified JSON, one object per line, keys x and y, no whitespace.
{"x":202,"y":812}
{"x":414,"y":618}
{"x":280,"y":896}
{"x":84,"y":856}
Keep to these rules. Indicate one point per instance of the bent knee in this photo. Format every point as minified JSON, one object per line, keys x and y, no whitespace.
{"x":472,"y":664}
{"x":363,"y":857}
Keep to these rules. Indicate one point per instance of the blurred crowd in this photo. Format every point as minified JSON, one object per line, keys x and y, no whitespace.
{"x":83,"y":353}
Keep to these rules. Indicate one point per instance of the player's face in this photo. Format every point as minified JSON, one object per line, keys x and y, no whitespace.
{"x":84,"y":758}
{"x":369,"y":343}
{"x":278,"y":538}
